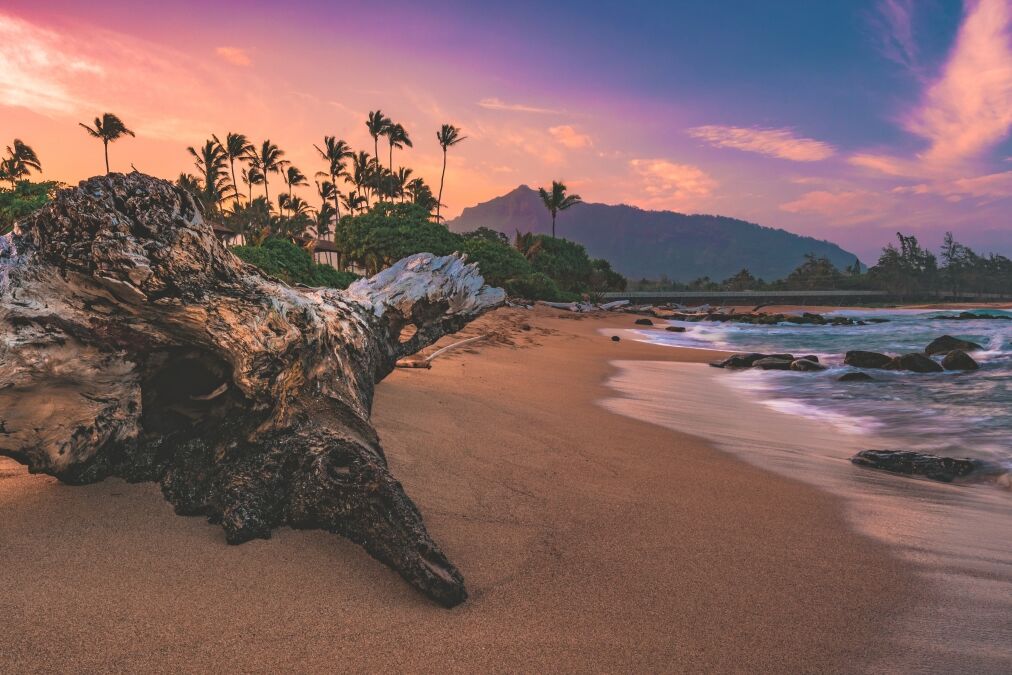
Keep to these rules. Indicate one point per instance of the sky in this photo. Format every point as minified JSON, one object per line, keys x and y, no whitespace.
{"x":847,"y":120}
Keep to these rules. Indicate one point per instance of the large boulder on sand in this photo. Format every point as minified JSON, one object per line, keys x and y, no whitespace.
{"x":946,"y":343}
{"x":957,"y":359}
{"x":863,"y":359}
{"x":915,"y":362}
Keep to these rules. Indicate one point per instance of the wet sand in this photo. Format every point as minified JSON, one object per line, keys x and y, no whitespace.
{"x":589,"y":541}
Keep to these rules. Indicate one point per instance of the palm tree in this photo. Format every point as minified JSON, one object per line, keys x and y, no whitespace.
{"x":402,"y":178}
{"x":20,"y":162}
{"x":362,"y":173}
{"x":325,"y":214}
{"x":251,"y":176}
{"x":353,"y":201}
{"x":334,"y":152}
{"x":267,"y":160}
{"x":293,"y":178}
{"x":377,"y":124}
{"x":210,"y":161}
{"x":398,"y":137}
{"x":528,"y":244}
{"x":557,"y":200}
{"x":448,"y":136}
{"x":236,"y":146}
{"x":190,"y":184}
{"x":108,"y":128}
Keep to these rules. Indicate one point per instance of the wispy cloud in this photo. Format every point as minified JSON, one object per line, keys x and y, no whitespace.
{"x":666,"y":182}
{"x":987,"y":187}
{"x":570,"y":137}
{"x":234,"y":55}
{"x":892,"y":23}
{"x":499,"y":104}
{"x":968,"y":109}
{"x":843,"y":207}
{"x":781,"y":143}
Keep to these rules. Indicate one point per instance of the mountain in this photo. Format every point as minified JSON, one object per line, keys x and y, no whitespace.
{"x":653,"y":243}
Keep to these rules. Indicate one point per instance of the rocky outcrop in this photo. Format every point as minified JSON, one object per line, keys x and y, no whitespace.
{"x":773,"y":363}
{"x":856,"y":376}
{"x":945,"y":469}
{"x":970,"y":316}
{"x":957,"y":359}
{"x":915,"y":362}
{"x":171,"y":360}
{"x":863,"y":359}
{"x":946,"y":343}
{"x":739,"y":360}
{"x":644,"y":322}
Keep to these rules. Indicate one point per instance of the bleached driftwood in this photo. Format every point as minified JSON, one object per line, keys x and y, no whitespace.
{"x":135,"y":345}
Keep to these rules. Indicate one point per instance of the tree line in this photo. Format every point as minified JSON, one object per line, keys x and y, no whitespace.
{"x":904,"y":268}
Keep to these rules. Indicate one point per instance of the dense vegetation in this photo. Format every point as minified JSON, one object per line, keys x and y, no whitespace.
{"x":23,"y":198}
{"x":293,"y":264}
{"x":904,"y":269}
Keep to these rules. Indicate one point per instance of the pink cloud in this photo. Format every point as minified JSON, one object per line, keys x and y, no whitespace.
{"x":570,"y":137}
{"x":668,"y":183}
{"x":845,"y":207}
{"x":893,"y":24}
{"x":234,"y":55}
{"x":781,"y":143}
{"x":968,"y":109}
{"x":990,"y":186}
{"x":498,"y":104}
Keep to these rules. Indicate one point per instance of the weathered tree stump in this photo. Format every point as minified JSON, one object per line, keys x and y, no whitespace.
{"x":135,"y":345}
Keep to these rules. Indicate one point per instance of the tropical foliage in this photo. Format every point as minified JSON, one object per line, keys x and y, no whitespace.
{"x":294,"y":265}
{"x":108,"y":128}
{"x":22,"y":199}
{"x":556,"y":200}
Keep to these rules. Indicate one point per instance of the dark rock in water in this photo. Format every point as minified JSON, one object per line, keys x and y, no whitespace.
{"x":739,"y":360}
{"x":856,"y":376}
{"x":861,"y":323}
{"x":970,"y":316}
{"x":957,"y":359}
{"x":947,"y":343}
{"x":615,"y":338}
{"x":772,"y":363}
{"x":876,"y":320}
{"x":804,"y":365}
{"x":644,"y":322}
{"x":862,"y":359}
{"x":782,"y":357}
{"x":810,"y":357}
{"x":945,"y":469}
{"x":675,"y":329}
{"x":915,"y":362}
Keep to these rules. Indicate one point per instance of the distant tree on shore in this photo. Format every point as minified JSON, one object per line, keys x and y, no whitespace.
{"x":210,"y":161}
{"x":557,"y":200}
{"x":108,"y":128}
{"x":377,"y":124}
{"x":334,"y":152}
{"x":398,"y":138}
{"x":448,"y":136}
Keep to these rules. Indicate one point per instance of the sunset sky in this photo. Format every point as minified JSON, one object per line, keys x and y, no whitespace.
{"x":843,"y":119}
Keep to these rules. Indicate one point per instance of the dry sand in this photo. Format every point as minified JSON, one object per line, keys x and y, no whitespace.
{"x":589,"y":541}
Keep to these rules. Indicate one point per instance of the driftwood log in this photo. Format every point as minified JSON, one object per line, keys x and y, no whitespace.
{"x":135,"y":345}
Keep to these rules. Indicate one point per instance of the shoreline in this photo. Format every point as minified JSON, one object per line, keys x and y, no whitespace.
{"x":589,"y":540}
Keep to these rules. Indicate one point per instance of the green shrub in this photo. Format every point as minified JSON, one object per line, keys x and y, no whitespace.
{"x":564,"y":261}
{"x":497,"y":261}
{"x":25,"y":198}
{"x":292,"y":264}
{"x":536,"y":286}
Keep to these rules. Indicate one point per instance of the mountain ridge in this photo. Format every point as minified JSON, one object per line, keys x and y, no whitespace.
{"x":643,"y":243}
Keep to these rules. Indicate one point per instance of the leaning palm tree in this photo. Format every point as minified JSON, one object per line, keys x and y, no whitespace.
{"x":236,"y":146}
{"x":448,"y":136}
{"x":377,"y":124}
{"x":267,"y":160}
{"x":557,"y":200}
{"x":108,"y":128}
{"x":21,"y":160}
{"x":398,"y":137}
{"x":334,"y":152}
{"x":250,"y":177}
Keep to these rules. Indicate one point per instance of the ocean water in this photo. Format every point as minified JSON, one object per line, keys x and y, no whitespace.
{"x":957,"y":538}
{"x":963,"y":414}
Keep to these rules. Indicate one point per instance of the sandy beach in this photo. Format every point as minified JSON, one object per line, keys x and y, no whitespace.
{"x":590,"y":541}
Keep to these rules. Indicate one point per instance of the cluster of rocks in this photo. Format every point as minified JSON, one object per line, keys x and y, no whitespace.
{"x":954,"y":353}
{"x":770,"y":362}
{"x":970,"y":316}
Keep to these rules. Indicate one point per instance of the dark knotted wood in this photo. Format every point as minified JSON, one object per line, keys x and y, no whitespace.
{"x":135,"y":345}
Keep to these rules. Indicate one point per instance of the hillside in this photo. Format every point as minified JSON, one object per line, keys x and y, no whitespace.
{"x":653,"y":243}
